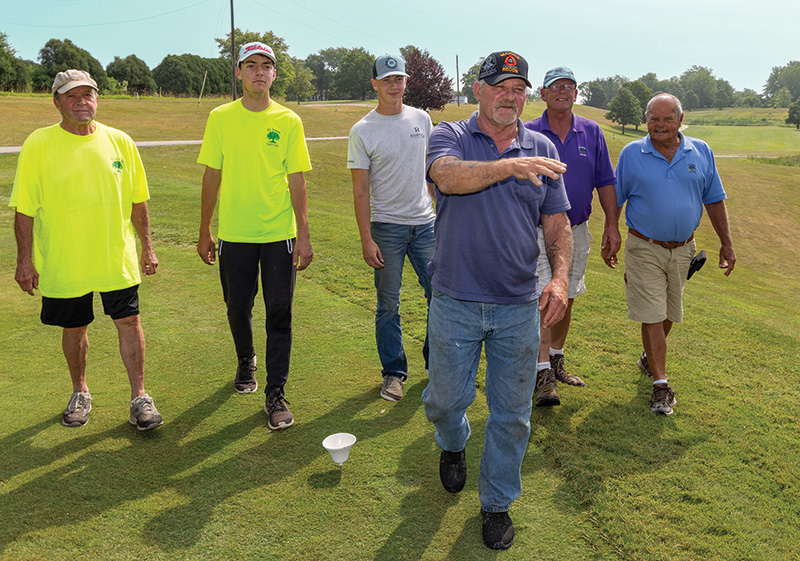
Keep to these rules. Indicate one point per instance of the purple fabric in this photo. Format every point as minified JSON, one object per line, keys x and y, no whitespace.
{"x":588,"y":164}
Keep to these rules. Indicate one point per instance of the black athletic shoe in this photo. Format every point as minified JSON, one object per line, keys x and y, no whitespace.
{"x":453,"y":470}
{"x":498,"y":530}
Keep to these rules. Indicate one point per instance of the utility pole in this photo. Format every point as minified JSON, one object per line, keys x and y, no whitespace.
{"x":233,"y":57}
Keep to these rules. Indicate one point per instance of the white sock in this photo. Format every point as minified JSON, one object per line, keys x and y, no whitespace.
{"x":659,"y":382}
{"x":556,"y":351}
{"x":542,"y":366}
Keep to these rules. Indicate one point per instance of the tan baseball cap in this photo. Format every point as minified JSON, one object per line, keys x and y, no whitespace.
{"x":69,"y":79}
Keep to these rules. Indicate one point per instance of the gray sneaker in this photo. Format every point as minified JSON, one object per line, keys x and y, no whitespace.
{"x":392,"y":388}
{"x":663,"y":399}
{"x":279,"y":415}
{"x":77,"y":412}
{"x":644,"y":366}
{"x":245,"y":381}
{"x":144,"y":414}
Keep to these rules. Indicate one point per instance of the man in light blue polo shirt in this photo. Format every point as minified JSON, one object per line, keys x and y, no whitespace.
{"x":582,"y":146}
{"x":495,"y":180}
{"x":666,"y":178}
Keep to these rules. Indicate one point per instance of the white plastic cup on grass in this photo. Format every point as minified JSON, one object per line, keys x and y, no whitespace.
{"x":338,"y":446}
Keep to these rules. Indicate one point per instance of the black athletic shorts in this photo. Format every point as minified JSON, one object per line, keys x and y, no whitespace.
{"x":77,"y":312}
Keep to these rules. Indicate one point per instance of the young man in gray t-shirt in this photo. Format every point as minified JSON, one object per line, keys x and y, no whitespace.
{"x":393,"y":206}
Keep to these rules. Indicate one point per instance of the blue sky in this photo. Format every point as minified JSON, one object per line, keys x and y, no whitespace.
{"x":739,"y":40}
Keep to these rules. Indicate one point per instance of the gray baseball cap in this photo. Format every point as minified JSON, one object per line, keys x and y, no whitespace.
{"x":388,"y":65}
{"x":558,"y":73}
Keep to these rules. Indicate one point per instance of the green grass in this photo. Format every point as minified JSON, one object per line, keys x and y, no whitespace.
{"x":603,"y":478}
{"x":737,"y":116}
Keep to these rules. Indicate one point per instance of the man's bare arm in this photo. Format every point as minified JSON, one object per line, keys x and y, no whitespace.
{"x":141,"y":223}
{"x":718,"y":214}
{"x":303,"y":252}
{"x":26,"y":275}
{"x":558,"y":245}
{"x":454,"y":176}
{"x":212,"y":180}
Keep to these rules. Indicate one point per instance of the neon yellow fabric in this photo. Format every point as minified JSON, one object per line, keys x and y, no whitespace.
{"x":255,"y":151}
{"x":80,"y":191}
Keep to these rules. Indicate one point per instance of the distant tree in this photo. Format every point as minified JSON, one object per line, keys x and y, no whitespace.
{"x":133,"y":70}
{"x":690,"y":101}
{"x":641,"y":92}
{"x":279,"y":47}
{"x":593,"y":94}
{"x":794,"y":114}
{"x":8,"y":71}
{"x":624,"y":109}
{"x":722,"y":100}
{"x":747,"y":98}
{"x":301,"y":87}
{"x":324,"y":65}
{"x":352,"y":79}
{"x":183,"y":75}
{"x":702,"y":82}
{"x":782,"y":99}
{"x":650,"y":80}
{"x":671,"y":86}
{"x":784,"y":77}
{"x":468,"y":78}
{"x":57,"y":56}
{"x":428,"y":87}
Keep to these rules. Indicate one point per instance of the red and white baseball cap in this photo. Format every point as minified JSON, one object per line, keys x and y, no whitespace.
{"x":255,"y":48}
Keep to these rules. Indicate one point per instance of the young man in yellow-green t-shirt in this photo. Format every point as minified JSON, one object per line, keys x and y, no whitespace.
{"x":255,"y":155}
{"x":80,"y":192}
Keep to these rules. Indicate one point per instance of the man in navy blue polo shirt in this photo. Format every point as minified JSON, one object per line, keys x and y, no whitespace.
{"x":582,"y":146}
{"x":495,"y":180}
{"x":666,"y":179}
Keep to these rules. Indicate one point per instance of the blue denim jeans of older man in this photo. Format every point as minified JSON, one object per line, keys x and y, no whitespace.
{"x":395,"y":242}
{"x":510,"y":334}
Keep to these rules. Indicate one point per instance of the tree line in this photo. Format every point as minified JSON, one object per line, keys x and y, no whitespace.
{"x":333,"y":73}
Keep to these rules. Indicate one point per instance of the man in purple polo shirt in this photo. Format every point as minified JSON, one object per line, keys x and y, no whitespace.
{"x":582,"y":146}
{"x":666,"y":179}
{"x":495,"y":180}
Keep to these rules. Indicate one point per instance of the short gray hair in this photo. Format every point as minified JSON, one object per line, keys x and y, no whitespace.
{"x":678,"y":106}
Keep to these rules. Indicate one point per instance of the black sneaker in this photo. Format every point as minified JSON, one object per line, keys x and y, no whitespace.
{"x":498,"y":530}
{"x":245,"y":381}
{"x":453,"y":470}
{"x":279,"y":415}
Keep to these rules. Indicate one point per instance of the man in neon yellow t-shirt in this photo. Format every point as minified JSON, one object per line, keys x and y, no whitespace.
{"x":255,"y":155}
{"x":80,"y":192}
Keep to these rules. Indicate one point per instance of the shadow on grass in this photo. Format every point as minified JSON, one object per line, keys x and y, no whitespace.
{"x":616,"y":440}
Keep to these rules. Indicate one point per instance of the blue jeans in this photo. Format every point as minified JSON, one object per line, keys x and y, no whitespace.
{"x":395,"y":242}
{"x":510,"y":332}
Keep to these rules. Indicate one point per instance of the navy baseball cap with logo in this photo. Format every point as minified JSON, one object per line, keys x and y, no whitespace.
{"x":502,"y":65}
{"x":388,"y":65}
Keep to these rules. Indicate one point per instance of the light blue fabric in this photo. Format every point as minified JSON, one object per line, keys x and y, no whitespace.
{"x":395,"y":242}
{"x":665,"y":199}
{"x":510,"y":334}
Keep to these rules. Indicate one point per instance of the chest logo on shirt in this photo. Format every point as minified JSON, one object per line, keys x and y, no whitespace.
{"x":118,"y":166}
{"x":692,"y":168}
{"x":417,"y":133}
{"x":273,"y":137}
{"x":582,"y":150}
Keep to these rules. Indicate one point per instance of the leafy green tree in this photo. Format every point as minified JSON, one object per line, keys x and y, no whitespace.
{"x":690,"y":101}
{"x":279,"y":47}
{"x":723,"y":99}
{"x":57,"y":56}
{"x":702,"y":82}
{"x":352,"y":79}
{"x":794,"y":114}
{"x":746,"y":98}
{"x":784,"y":77}
{"x":782,"y":99}
{"x":468,"y":78}
{"x":641,"y":92}
{"x":593,"y":94}
{"x":183,"y":75}
{"x":301,"y":87}
{"x":428,"y":87}
{"x":624,"y":109}
{"x":7,"y":69}
{"x":134,"y":71}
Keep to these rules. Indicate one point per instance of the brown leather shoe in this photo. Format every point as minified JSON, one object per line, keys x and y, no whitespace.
{"x":557,"y":364}
{"x":545,"y":393}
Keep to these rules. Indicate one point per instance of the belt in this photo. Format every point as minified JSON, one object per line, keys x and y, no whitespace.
{"x":665,"y":245}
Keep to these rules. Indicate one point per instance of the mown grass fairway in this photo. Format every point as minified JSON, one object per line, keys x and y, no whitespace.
{"x":603,"y":477}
